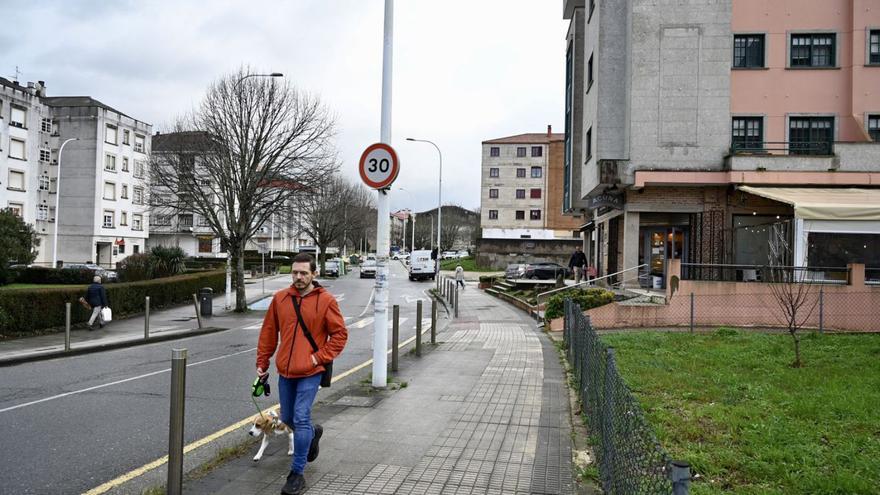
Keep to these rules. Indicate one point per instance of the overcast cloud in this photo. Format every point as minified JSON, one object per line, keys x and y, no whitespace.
{"x":464,"y":70}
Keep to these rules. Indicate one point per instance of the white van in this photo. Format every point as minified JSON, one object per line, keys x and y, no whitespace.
{"x":421,"y":266}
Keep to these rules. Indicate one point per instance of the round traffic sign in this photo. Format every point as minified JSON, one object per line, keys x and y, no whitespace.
{"x":379,"y":166}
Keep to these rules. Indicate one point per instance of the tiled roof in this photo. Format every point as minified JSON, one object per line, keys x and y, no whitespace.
{"x":530,"y":138}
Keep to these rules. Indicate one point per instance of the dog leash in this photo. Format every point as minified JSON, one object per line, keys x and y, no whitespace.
{"x":260,"y":387}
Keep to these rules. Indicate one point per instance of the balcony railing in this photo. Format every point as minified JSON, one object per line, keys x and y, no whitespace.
{"x":872,"y":276}
{"x":819,"y":148}
{"x":765,"y":273}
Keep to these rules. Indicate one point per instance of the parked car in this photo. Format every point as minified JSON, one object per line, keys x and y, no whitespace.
{"x":462,"y":254}
{"x":545,"y":271}
{"x":368,"y":268}
{"x":421,"y":265}
{"x":515,"y":271}
{"x":105,"y":274}
{"x":446,"y":255}
{"x":331,"y":268}
{"x":400,"y":255}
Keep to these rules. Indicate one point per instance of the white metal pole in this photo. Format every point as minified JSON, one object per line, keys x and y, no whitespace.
{"x":272,"y":236}
{"x":57,"y":209}
{"x":383,"y":207}
{"x":412,"y":246}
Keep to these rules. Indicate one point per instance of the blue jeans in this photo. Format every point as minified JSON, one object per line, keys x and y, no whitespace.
{"x":297,"y":396}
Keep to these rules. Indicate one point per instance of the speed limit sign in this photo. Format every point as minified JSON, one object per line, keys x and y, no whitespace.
{"x":379,"y":166}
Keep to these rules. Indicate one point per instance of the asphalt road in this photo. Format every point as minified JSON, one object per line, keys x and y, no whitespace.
{"x":68,"y":425}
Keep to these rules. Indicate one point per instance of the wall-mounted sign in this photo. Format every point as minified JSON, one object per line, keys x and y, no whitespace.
{"x":614,"y":200}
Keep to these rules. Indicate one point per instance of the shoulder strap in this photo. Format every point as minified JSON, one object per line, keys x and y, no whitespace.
{"x":302,"y":323}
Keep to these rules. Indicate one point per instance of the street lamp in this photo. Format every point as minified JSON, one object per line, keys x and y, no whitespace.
{"x":412,"y":246}
{"x":228,"y":258}
{"x":57,"y":210}
{"x":439,"y":202}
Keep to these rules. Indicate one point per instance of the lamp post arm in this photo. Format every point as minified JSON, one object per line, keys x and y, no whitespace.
{"x":57,"y":204}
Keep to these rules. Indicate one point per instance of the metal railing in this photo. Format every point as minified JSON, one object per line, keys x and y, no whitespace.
{"x":872,"y":276}
{"x":764,"y":273}
{"x":630,"y":459}
{"x":587,"y":283}
{"x":784,"y":148}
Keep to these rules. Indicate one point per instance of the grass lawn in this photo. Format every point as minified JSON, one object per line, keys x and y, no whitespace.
{"x":469,"y":264}
{"x":41,"y":286}
{"x":749,"y":423}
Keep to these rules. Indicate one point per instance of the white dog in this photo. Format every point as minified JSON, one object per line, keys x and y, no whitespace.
{"x":267,"y":425}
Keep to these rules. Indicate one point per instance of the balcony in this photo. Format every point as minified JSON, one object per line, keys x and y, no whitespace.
{"x":819,"y":156}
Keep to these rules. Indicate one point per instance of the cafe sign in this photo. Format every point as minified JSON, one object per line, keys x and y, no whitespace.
{"x":613,"y":200}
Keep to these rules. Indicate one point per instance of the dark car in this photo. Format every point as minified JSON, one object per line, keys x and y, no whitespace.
{"x":545,"y":271}
{"x":515,"y":271}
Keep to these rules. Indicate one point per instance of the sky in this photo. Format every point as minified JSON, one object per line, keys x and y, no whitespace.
{"x":464,"y":70}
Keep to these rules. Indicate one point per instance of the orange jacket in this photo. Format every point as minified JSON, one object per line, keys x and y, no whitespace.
{"x":324,"y":320}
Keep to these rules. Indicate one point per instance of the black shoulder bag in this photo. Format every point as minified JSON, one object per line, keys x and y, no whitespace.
{"x":327,"y":376}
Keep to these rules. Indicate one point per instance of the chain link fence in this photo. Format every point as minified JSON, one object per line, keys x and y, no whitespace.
{"x":631,"y":460}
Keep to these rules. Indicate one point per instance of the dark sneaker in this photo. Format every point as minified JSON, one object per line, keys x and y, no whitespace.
{"x":296,"y":484}
{"x":313,"y":448}
{"x":91,"y":328}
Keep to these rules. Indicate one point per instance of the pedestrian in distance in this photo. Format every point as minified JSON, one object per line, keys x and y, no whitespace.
{"x":297,"y":316}
{"x":459,"y":276}
{"x":96,"y":296}
{"x":576,"y":263}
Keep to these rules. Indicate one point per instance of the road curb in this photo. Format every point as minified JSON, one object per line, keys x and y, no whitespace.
{"x":79,"y":351}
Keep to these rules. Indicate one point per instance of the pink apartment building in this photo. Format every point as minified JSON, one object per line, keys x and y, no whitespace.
{"x":724,"y":135}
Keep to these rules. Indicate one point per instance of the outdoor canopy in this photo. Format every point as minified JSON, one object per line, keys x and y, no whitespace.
{"x":824,"y":203}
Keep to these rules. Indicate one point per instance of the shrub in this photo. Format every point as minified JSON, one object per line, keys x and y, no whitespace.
{"x":168,"y":261}
{"x":43,"y":275}
{"x":31,"y":311}
{"x":587,"y":298}
{"x":136,"y":267}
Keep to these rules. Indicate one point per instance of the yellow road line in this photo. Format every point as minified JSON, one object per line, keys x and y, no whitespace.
{"x":217,"y":434}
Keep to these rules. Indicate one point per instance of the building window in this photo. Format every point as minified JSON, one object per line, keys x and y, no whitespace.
{"x":205,"y":244}
{"x":138,"y":196}
{"x":45,"y":155}
{"x":520,"y":194}
{"x":17,"y":149}
{"x":16,"y":180}
{"x":536,"y":172}
{"x":44,"y":183}
{"x":17,"y":117}
{"x":135,"y":249}
{"x":123,"y":218}
{"x":110,"y":134}
{"x":203,"y":221}
{"x":748,"y":134}
{"x":126,"y":136}
{"x":110,"y":191}
{"x":162,"y":220}
{"x":589,"y":147}
{"x":122,"y":249}
{"x":139,"y":143}
{"x":537,"y":151}
{"x":748,"y":50}
{"x":493,"y":214}
{"x":535,"y":214}
{"x":124,"y":193}
{"x":494,"y":151}
{"x":137,"y":222}
{"x":521,"y":151}
{"x":535,"y":194}
{"x":53,"y":185}
{"x":46,"y":125}
{"x":810,"y":135}
{"x":15,"y":208}
{"x":125,"y":164}
{"x":43,"y":212}
{"x":813,"y":50}
{"x":493,"y":172}
{"x":185,"y":220}
{"x":874,"y":46}
{"x":590,"y":73}
{"x":110,"y":163}
{"x":493,"y":193}
{"x":520,"y":214}
{"x":874,"y":127}
{"x":520,"y":173}
{"x":139,"y":169}
{"x":109,"y":216}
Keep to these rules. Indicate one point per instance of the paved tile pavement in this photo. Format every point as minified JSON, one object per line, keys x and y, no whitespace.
{"x":485,"y":411}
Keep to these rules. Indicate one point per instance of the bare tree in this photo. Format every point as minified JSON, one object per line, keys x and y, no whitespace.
{"x":242,"y":154}
{"x":792,"y":289}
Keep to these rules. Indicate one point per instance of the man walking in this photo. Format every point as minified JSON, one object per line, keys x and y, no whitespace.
{"x":301,"y":310}
{"x":576,"y":263}
{"x":459,"y":276}
{"x":96,"y":296}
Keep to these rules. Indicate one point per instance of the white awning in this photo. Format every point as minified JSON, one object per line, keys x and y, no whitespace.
{"x":821,"y":203}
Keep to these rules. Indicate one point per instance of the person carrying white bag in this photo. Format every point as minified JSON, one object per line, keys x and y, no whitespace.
{"x":96,"y":296}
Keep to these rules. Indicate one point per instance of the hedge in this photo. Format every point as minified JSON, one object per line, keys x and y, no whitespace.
{"x":44,"y":275}
{"x":34,"y":311}
{"x":587,"y":298}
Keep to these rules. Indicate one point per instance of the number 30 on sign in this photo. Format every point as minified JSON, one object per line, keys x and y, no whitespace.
{"x":379,"y":166}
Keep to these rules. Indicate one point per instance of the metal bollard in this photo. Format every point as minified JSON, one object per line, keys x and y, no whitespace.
{"x":419,"y":327}
{"x":692,"y":312}
{"x":455,"y":302}
{"x":175,"y":422}
{"x":395,"y":336}
{"x":147,"y":318}
{"x":66,"y":326}
{"x":198,"y":315}
{"x":433,"y":321}
{"x":681,"y":477}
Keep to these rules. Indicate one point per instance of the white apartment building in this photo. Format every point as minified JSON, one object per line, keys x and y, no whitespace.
{"x":103,"y":216}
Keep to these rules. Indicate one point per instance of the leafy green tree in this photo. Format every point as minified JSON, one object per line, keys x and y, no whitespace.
{"x":18,"y":242}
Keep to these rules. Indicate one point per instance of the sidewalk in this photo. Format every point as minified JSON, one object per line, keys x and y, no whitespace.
{"x":485,"y":411}
{"x":165,"y":324}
